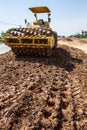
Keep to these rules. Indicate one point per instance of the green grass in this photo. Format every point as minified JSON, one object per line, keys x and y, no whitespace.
{"x":1,"y":40}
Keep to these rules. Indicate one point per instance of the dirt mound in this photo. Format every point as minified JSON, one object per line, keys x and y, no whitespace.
{"x":76,"y":43}
{"x":67,"y":39}
{"x":44,"y":93}
{"x":83,"y":41}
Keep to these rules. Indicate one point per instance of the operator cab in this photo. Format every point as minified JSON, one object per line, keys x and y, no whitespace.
{"x":41,"y":22}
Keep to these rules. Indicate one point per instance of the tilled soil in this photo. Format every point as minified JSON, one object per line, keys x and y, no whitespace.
{"x":44,"y":93}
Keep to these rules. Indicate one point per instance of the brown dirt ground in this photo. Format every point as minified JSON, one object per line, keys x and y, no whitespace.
{"x":41,"y":93}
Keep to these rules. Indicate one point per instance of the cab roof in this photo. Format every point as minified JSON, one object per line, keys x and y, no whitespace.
{"x":41,"y":9}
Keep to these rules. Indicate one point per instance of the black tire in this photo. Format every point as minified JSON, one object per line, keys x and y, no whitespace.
{"x":55,"y":37}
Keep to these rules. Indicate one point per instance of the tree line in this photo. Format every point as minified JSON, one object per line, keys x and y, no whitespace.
{"x":83,"y":34}
{"x":3,"y":34}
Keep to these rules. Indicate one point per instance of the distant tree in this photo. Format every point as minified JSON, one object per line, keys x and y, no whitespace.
{"x":83,"y":32}
{"x":3,"y":34}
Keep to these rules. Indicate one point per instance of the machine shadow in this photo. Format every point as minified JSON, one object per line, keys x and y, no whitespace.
{"x":59,"y":58}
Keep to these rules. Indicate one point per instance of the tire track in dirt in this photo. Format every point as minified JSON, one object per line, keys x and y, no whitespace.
{"x":79,"y":105}
{"x":51,"y":98}
{"x":75,"y":112}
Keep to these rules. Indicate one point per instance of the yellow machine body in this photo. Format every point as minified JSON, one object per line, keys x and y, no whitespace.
{"x":31,"y":42}
{"x":37,"y":39}
{"x":41,"y":9}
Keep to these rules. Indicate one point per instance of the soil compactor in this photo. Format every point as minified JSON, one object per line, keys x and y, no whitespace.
{"x":36,"y":39}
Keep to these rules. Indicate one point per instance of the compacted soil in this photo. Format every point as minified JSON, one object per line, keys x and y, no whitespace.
{"x":44,"y":93}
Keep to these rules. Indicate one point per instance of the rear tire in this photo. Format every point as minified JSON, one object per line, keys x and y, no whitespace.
{"x":55,"y":40}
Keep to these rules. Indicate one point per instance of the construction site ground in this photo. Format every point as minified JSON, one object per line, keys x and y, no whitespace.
{"x":44,"y":93}
{"x":75,"y":42}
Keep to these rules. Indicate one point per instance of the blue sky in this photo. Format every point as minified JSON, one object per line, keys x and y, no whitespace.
{"x":67,"y":16}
